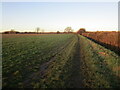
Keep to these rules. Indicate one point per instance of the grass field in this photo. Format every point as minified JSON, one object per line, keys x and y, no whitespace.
{"x":100,"y":65}
{"x":57,"y":60}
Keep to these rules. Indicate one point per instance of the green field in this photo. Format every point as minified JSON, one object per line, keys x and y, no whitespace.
{"x":57,"y":61}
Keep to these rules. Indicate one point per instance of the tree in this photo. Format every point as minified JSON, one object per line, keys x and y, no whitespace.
{"x":37,"y":29}
{"x":81,"y":30}
{"x":68,"y":29}
{"x":58,"y":32}
{"x":12,"y":30}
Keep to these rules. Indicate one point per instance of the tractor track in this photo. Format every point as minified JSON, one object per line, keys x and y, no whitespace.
{"x":36,"y":76}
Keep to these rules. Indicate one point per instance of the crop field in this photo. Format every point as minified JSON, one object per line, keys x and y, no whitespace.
{"x":57,"y":61}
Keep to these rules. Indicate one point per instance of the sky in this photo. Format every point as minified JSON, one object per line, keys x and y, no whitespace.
{"x":59,"y":0}
{"x":56,"y":16}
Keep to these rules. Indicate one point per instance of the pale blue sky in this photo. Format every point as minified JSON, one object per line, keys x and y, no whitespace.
{"x":54,"y":16}
{"x":59,"y":0}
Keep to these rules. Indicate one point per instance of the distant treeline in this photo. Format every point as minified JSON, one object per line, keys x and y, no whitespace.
{"x":16,"y":32}
{"x":108,"y":39}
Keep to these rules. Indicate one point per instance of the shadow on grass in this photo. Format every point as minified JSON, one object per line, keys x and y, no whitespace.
{"x":108,"y":46}
{"x":109,"y":75}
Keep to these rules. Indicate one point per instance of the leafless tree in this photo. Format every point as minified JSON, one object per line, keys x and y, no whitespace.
{"x":68,"y":29}
{"x":37,"y":29}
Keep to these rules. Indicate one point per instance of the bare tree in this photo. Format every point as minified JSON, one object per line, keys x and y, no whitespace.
{"x":68,"y":29}
{"x":37,"y":29}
